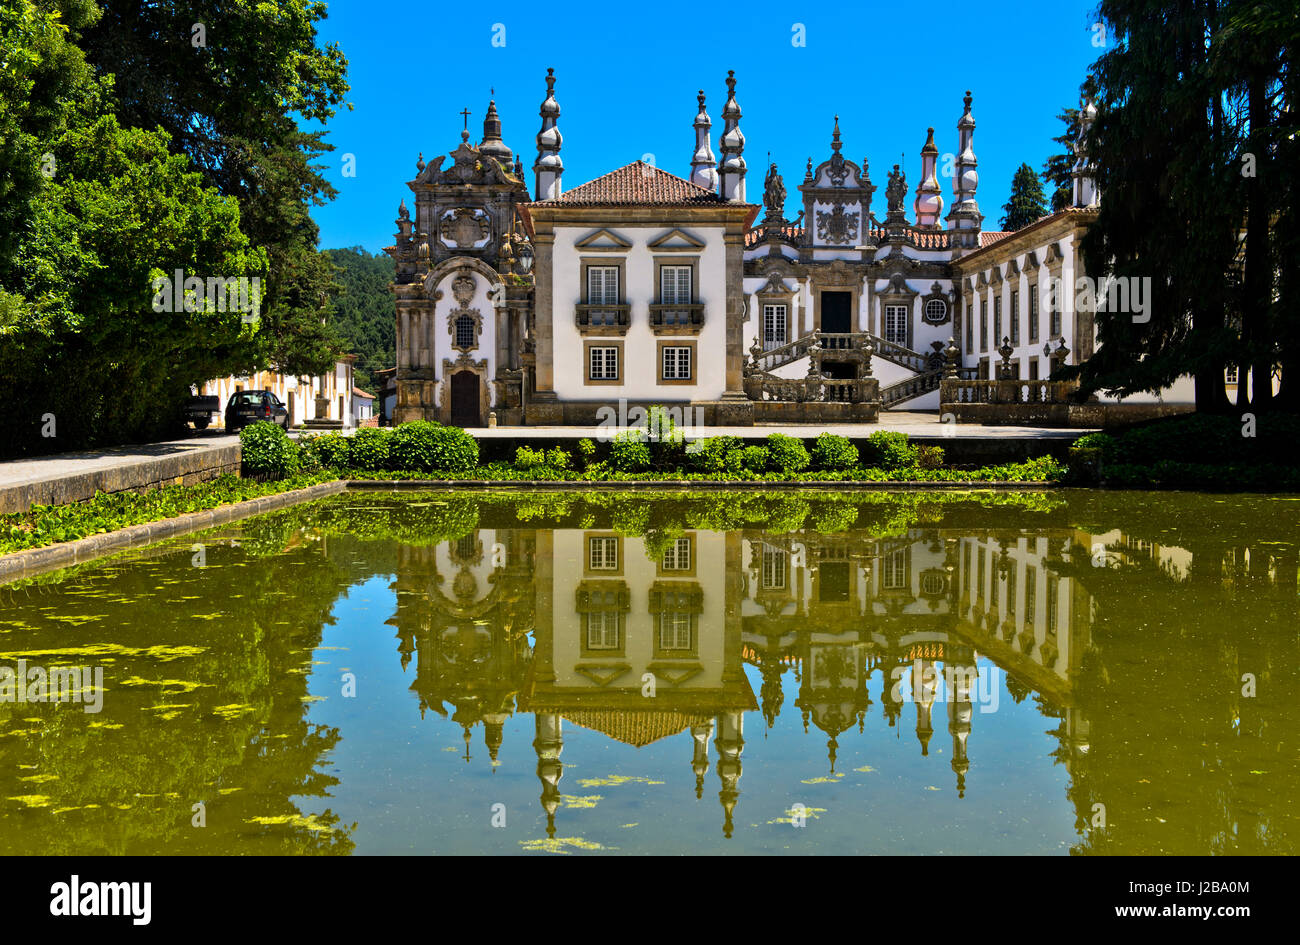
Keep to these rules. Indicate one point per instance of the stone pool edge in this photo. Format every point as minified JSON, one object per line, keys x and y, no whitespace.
{"x":32,"y":561}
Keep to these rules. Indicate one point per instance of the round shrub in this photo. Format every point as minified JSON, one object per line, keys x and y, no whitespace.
{"x":368,"y":448}
{"x":423,"y":446}
{"x":887,"y":449}
{"x":834,"y":452}
{"x":628,"y":453}
{"x":267,"y":451}
{"x":586,"y":452}
{"x":331,"y":450}
{"x":558,"y":459}
{"x":754,"y":458}
{"x":786,"y":453}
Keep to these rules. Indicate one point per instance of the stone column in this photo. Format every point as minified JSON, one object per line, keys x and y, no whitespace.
{"x":544,"y":407}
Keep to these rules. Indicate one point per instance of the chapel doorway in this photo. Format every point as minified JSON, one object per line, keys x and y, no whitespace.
{"x":465,"y":399}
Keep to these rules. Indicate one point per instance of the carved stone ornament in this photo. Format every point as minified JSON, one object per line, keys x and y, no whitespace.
{"x":464,"y":227}
{"x":837,"y":226}
{"x":896,"y":189}
{"x":838,"y":170}
{"x":774,"y":192}
{"x":462,"y":287}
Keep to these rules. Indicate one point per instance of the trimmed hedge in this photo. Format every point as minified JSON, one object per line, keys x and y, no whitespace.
{"x":425,"y":446}
{"x":368,"y":448}
{"x":267,"y":451}
{"x":834,"y":452}
{"x":786,"y":453}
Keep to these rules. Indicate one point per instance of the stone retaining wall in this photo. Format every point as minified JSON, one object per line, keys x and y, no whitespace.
{"x":134,"y":474}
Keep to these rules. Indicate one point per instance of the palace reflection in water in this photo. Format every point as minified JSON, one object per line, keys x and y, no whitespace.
{"x":644,"y":639}
{"x":706,"y":662}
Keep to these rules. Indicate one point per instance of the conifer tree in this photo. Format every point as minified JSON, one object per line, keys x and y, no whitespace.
{"x":1026,"y":203}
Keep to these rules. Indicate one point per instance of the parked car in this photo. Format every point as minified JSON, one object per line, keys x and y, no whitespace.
{"x":250,"y":406}
{"x":199,"y":410}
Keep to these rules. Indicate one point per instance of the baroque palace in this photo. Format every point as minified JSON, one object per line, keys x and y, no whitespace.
{"x":644,"y":287}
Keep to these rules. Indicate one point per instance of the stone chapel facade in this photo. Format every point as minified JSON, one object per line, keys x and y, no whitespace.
{"x":642,"y":287}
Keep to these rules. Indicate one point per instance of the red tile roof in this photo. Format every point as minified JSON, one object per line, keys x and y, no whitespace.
{"x":989,"y":237}
{"x":637,"y":184}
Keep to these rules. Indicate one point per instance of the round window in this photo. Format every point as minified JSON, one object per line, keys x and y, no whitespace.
{"x":936,"y":310}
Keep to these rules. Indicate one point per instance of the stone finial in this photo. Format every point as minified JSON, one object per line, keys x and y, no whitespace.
{"x":731,"y":171}
{"x":419,"y":163}
{"x":704,"y":171}
{"x":548,"y":167}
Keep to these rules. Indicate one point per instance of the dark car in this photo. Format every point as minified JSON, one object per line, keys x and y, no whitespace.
{"x":250,"y":406}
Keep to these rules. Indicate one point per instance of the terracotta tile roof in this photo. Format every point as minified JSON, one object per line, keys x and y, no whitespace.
{"x":791,"y":234}
{"x":638,"y":727}
{"x":989,"y":237}
{"x":637,"y":184}
{"x":358,"y":392}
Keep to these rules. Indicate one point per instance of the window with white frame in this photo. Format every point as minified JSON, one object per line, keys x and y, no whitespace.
{"x":1033,"y":313}
{"x":675,"y":285}
{"x":984,"y":325}
{"x":1230,"y":375}
{"x":936,"y":310}
{"x":775,"y":566}
{"x":1055,"y":320}
{"x":602,"y":285}
{"x":675,"y":630}
{"x":677,"y":556}
{"x":775,"y":328}
{"x":676,"y":363}
{"x":602,"y":554}
{"x":894,"y":570}
{"x":602,"y":628}
{"x":603,"y":363}
{"x":1015,"y":316}
{"x":997,"y":320}
{"x":896,"y":324}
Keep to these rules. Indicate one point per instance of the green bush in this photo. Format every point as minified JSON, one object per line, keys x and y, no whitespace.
{"x":528,"y":458}
{"x":754,"y":458}
{"x":628,"y":453}
{"x":558,"y":459}
{"x":586,"y":452}
{"x":717,"y":454}
{"x":369,"y":448}
{"x":330,"y":449}
{"x":786,"y":453}
{"x":423,"y":446}
{"x":267,"y":451}
{"x":833,"y":452}
{"x":929,"y":457}
{"x":887,"y":449}
{"x":660,"y":425}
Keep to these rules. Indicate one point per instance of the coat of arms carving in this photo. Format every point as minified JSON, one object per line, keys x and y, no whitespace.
{"x":837,"y":226}
{"x":464,"y":227}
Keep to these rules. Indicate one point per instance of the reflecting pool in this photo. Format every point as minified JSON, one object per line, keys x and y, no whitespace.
{"x":807,"y":673}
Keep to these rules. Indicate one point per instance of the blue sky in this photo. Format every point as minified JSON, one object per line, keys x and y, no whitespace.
{"x":627,"y":79}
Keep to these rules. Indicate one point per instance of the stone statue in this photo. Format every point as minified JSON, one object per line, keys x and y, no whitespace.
{"x":774,"y":193}
{"x":896,"y":190}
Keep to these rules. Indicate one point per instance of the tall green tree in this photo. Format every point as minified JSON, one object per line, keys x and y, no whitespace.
{"x":1178,"y":203}
{"x":1058,"y":169}
{"x":230,"y":80}
{"x":1027,"y":202}
{"x":365,"y":313}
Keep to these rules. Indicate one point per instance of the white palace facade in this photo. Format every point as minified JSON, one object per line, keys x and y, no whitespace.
{"x":642,"y":287}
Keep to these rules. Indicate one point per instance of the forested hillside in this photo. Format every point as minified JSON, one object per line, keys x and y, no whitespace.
{"x":363,"y":314}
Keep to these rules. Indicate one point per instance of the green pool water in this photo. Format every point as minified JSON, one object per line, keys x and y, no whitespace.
{"x":502,"y":672}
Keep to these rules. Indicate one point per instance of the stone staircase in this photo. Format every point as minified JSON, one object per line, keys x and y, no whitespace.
{"x":848,"y":342}
{"x":910,"y":387}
